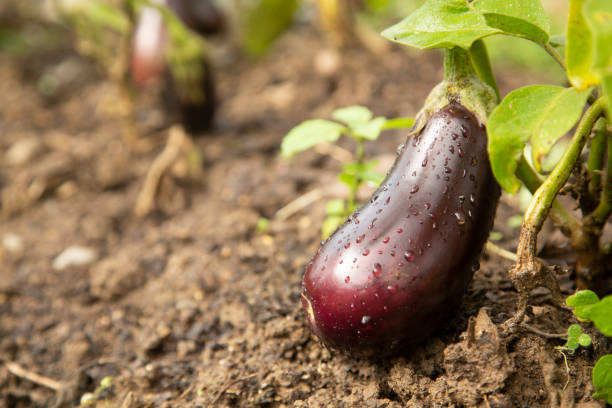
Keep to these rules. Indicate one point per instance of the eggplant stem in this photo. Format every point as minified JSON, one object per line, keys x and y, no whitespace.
{"x":528,"y":272}
{"x":482,"y":65}
{"x":556,"y":56}
{"x":595,"y":161}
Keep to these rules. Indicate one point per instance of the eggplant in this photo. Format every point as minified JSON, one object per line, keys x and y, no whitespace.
{"x":190,"y":98}
{"x":148,"y":47}
{"x":199,"y":15}
{"x":401,"y":263}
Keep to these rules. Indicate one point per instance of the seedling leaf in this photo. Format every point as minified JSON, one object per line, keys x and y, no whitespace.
{"x":352,"y":115}
{"x":330,"y":224}
{"x":572,"y":343}
{"x":602,"y":378}
{"x":370,"y":130}
{"x":574,"y":331}
{"x":335,"y":207}
{"x":373,"y":176}
{"x":348,"y":178}
{"x":398,"y":123}
{"x":310,"y":133}
{"x":600,"y":314}
{"x":581,"y":301}
{"x":584,"y":340}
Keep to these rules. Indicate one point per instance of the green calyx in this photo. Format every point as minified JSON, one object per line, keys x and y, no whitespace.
{"x":462,"y":85}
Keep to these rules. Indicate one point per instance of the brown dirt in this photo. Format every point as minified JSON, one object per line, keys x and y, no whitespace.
{"x":192,"y":307}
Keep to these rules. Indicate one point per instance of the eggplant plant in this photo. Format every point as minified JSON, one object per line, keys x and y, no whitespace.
{"x":358,"y":292}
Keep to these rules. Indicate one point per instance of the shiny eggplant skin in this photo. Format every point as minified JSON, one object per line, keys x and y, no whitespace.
{"x":199,"y":15}
{"x":400,"y":264}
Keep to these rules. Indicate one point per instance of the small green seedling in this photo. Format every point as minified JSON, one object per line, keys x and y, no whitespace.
{"x":358,"y":123}
{"x":575,"y":339}
{"x":589,"y":308}
{"x":101,"y":393}
{"x":262,"y":225}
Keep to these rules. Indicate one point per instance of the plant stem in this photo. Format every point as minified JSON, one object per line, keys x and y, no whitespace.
{"x":596,"y":158}
{"x":553,"y":53}
{"x":457,"y":65}
{"x":544,"y":196}
{"x":560,"y":215}
{"x":359,"y":155}
{"x":482,"y":65}
{"x":603,"y":210}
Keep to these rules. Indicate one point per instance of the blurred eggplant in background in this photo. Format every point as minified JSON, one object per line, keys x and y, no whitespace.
{"x":167,"y":46}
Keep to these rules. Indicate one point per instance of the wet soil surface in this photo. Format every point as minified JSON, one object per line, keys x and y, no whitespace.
{"x":192,"y":306}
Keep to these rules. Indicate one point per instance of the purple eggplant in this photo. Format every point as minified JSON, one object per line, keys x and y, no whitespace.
{"x":400,"y":264}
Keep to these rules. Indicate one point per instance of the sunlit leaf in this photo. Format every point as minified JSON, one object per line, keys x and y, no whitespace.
{"x":598,"y":14}
{"x":525,"y":18}
{"x":335,"y":207}
{"x":579,"y":49}
{"x":441,"y":23}
{"x":398,"y":123}
{"x":264,"y":21}
{"x":542,"y":113}
{"x":352,"y":115}
{"x":602,"y":379}
{"x":372,"y":176}
{"x":370,"y":130}
{"x":584,"y":340}
{"x":349,"y":179}
{"x":581,"y":299}
{"x":310,"y":133}
{"x":331,"y":224}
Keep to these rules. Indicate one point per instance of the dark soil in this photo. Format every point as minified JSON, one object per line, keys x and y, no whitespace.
{"x":191,"y":306}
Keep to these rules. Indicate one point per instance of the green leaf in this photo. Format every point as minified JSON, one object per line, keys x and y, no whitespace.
{"x":398,"y":123}
{"x":582,"y":300}
{"x":441,"y":24}
{"x":335,"y":207}
{"x":331,"y":224}
{"x":572,"y":343}
{"x":310,"y":133}
{"x":542,"y":113}
{"x":602,"y":378}
{"x":560,"y":110}
{"x":357,"y":168}
{"x":348,"y":178}
{"x":262,"y":225}
{"x":598,"y":14}
{"x":107,"y":15}
{"x":352,"y":115}
{"x":574,"y":331}
{"x":495,"y":236}
{"x":579,"y":49}
{"x":264,"y":21}
{"x":515,"y":221}
{"x":557,"y":40}
{"x":370,"y":130}
{"x":584,"y":340}
{"x":525,"y":18}
{"x":606,"y":87}
{"x":600,"y":314}
{"x":372,"y":176}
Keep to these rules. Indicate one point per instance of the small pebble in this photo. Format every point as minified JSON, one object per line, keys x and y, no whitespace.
{"x":74,"y":256}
